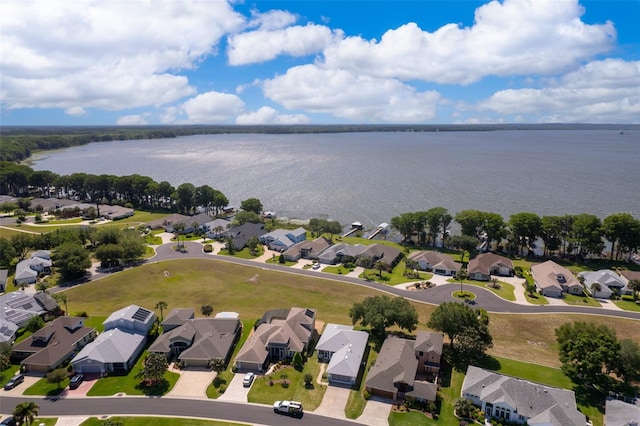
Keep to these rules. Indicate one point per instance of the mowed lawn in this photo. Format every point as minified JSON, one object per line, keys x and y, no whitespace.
{"x":191,"y":283}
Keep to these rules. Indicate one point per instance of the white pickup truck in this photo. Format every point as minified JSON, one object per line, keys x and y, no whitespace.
{"x":291,"y":408}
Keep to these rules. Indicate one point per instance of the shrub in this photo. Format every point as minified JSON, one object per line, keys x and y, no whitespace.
{"x":308,"y":378}
{"x":518,"y":271}
{"x":82,"y":314}
{"x":627,"y":298}
{"x":366,"y":394}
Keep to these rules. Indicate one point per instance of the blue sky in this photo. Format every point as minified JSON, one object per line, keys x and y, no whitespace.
{"x":136,"y":62}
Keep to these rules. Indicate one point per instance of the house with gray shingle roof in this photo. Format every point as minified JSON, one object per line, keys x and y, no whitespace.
{"x":196,"y":341}
{"x":334,"y":254}
{"x":118,"y":347}
{"x":394,"y":374}
{"x":436,"y":262}
{"x":19,"y":307}
{"x":28,"y":270}
{"x":283,"y":239}
{"x":627,"y":276}
{"x":620,"y":413}
{"x":7,"y":331}
{"x":278,"y":335}
{"x":520,"y":401}
{"x":343,"y":348}
{"x":307,"y":250}
{"x":383,"y":253}
{"x":114,"y":350}
{"x":484,"y":265}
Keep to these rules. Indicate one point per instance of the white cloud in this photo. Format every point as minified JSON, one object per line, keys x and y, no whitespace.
{"x":513,"y":37}
{"x":262,"y":45}
{"x":212,"y":107}
{"x":132,"y":120}
{"x":272,"y":20}
{"x":600,"y":92}
{"x":105,"y":54}
{"x":347,"y":95}
{"x":268,"y":115}
{"x":75,"y":111}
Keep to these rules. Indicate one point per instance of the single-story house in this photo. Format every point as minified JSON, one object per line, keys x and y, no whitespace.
{"x":520,"y":401}
{"x":627,"y":276}
{"x":334,"y":254}
{"x":28,"y":270}
{"x":241,"y":234}
{"x":52,"y":345}
{"x":19,"y":307}
{"x":52,"y":204}
{"x":4,"y":274}
{"x":553,"y":280}
{"x":383,"y":253}
{"x":394,"y":373}
{"x":283,"y":239}
{"x":307,"y":250}
{"x":343,"y":348}
{"x":115,"y":212}
{"x":436,"y":262}
{"x":278,"y":335}
{"x":620,"y":413}
{"x":603,"y":292}
{"x":484,"y":265}
{"x":7,"y":331}
{"x":191,"y":223}
{"x":114,"y":350}
{"x":197,"y":341}
{"x":604,"y":277}
{"x":216,"y":228}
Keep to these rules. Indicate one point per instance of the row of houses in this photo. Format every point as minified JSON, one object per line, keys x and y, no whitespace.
{"x":17,"y":308}
{"x":105,"y":211}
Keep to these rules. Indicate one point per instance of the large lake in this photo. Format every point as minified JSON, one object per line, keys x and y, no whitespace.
{"x":371,"y":177}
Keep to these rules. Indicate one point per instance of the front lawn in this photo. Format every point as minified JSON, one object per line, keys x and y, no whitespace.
{"x":5,"y":375}
{"x":222,"y":380}
{"x":245,"y":253}
{"x":627,"y":305}
{"x":506,"y":290}
{"x":287,"y":383}
{"x":396,"y":276}
{"x":407,"y":418}
{"x":43,"y":388}
{"x":276,"y":261}
{"x":572,"y":299}
{"x":338,"y":270}
{"x":131,"y":384}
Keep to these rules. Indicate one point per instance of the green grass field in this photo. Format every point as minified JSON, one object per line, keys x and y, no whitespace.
{"x":627,"y":305}
{"x":191,"y":283}
{"x":572,"y":299}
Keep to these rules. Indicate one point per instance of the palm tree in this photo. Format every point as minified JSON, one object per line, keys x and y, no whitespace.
{"x":25,"y":412}
{"x":61,"y":297}
{"x":494,"y":282}
{"x":634,"y":285}
{"x":206,"y":310}
{"x":162,"y":306}
{"x":595,"y":288}
{"x":380,"y":266}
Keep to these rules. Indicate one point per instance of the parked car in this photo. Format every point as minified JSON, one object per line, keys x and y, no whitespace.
{"x":75,"y":381}
{"x":9,"y":421}
{"x":316,"y":265}
{"x":291,"y":408}
{"x":248,"y":379}
{"x":14,"y":381}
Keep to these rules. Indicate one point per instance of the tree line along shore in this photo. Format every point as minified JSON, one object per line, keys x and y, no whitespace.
{"x":20,"y":142}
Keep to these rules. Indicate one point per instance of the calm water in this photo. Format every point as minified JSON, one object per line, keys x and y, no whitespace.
{"x":371,"y":177}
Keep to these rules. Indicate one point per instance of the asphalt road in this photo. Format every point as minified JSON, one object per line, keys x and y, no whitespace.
{"x":208,"y":409}
{"x":436,"y":296}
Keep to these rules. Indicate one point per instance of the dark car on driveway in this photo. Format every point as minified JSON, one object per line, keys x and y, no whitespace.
{"x":75,"y":381}
{"x":9,"y":421}
{"x":13,"y":382}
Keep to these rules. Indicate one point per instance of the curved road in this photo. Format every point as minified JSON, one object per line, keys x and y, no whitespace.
{"x":174,"y":407}
{"x":437,"y":295}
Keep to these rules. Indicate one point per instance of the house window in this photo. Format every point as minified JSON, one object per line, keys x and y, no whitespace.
{"x":421,"y":353}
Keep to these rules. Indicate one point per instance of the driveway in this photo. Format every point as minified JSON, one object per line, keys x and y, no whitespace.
{"x":333,"y":402}
{"x":192,"y":384}
{"x":236,"y":392}
{"x":29,"y":380}
{"x":376,"y":412}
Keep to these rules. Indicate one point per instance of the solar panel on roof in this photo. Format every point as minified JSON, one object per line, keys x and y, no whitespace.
{"x":141,"y":314}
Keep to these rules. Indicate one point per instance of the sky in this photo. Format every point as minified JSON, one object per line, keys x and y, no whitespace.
{"x":169,"y":62}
